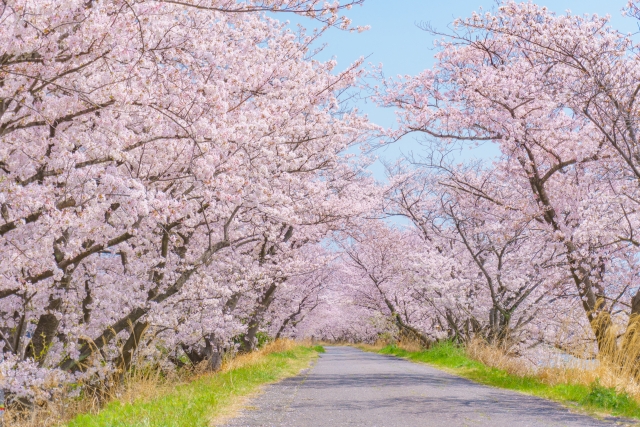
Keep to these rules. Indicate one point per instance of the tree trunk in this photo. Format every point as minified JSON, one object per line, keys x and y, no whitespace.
{"x":110,"y":332}
{"x":282,"y":327}
{"x":42,"y":337}
{"x":249,"y":340}
{"x":499,"y":326}
{"x":130,"y":346}
{"x":214,"y":352}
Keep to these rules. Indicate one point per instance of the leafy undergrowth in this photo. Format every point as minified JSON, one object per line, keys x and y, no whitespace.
{"x":201,"y":401}
{"x":592,"y":398}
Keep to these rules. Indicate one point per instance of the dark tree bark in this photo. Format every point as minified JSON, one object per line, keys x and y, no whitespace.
{"x":249,"y":341}
{"x":130,"y":346}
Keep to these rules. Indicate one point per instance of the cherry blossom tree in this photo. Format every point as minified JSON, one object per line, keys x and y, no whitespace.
{"x":174,"y":179}
{"x":152,"y":157}
{"x":302,"y":293}
{"x":564,"y":176}
{"x":505,"y":269}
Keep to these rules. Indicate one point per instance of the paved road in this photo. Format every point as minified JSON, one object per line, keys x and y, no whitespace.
{"x":348,"y":387}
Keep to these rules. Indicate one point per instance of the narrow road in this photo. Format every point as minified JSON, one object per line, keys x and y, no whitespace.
{"x":348,"y":387}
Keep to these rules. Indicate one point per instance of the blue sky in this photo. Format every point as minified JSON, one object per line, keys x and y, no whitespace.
{"x":396,"y":41}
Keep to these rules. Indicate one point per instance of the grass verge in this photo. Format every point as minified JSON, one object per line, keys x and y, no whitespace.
{"x":594,"y":398}
{"x":200,"y":402}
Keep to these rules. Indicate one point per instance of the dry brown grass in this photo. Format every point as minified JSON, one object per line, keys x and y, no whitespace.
{"x":410,"y":345}
{"x":405,"y":344}
{"x":616,"y":365}
{"x":138,"y":385}
{"x":369,"y":347}
{"x":251,"y":358}
{"x":496,"y":357}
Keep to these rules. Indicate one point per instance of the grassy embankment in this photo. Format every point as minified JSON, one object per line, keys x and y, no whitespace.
{"x":592,"y":398}
{"x":201,"y":401}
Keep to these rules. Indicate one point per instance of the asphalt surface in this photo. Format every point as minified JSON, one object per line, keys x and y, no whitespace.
{"x":348,"y":387}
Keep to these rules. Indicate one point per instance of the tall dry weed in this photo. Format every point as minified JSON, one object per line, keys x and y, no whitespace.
{"x":497,"y":357}
{"x":405,"y":344}
{"x":241,"y":360}
{"x":149,"y":381}
{"x":616,"y":364}
{"x":410,"y":345}
{"x":138,"y":385}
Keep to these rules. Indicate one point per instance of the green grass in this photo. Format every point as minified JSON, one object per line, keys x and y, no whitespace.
{"x":198,"y":402}
{"x":318,"y":348}
{"x":593,"y":399}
